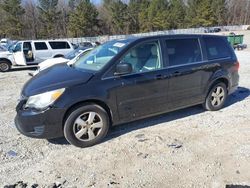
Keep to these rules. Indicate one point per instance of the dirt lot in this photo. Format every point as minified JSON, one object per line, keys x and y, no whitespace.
{"x":186,"y":148}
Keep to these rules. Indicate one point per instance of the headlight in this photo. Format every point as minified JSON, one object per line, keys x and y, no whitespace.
{"x":43,"y":100}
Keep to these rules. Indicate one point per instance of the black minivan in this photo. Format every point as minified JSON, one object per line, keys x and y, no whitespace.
{"x":126,"y":80}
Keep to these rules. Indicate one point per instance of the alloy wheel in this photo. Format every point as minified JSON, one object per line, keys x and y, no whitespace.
{"x":4,"y":67}
{"x":217,"y":96}
{"x":88,"y":126}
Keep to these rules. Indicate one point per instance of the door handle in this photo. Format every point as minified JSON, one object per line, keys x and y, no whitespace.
{"x":160,"y":77}
{"x":177,"y":73}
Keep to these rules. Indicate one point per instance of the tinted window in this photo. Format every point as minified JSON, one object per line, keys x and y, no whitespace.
{"x":59,"y":45}
{"x":143,"y":58}
{"x":216,"y":48}
{"x":41,"y":46}
{"x":27,"y":46}
{"x":183,"y":51}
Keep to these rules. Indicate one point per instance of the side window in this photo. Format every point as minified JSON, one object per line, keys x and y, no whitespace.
{"x":183,"y":51}
{"x":59,"y":45}
{"x":18,"y":47}
{"x":41,"y":46}
{"x":216,"y":48}
{"x":143,"y":58}
{"x":27,"y":46}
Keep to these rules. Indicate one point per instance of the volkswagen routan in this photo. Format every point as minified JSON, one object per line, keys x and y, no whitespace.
{"x":125,"y":80}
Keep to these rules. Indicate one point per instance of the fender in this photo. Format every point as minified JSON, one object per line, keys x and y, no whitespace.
{"x":5,"y":59}
{"x":218,"y":75}
{"x":112,"y":114}
{"x":93,"y":95}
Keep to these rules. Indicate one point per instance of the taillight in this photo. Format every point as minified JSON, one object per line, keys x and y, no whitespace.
{"x":237,"y":65}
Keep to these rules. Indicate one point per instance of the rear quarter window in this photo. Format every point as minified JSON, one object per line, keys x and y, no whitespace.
{"x":56,"y":45}
{"x":217,"y":48}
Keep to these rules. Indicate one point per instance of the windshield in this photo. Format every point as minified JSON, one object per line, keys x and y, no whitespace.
{"x":18,"y":47}
{"x":100,"y":56}
{"x":11,"y":46}
{"x":2,"y":49}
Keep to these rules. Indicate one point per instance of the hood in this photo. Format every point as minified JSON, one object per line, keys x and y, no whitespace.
{"x":50,"y":62}
{"x":5,"y":53}
{"x":55,"y":77}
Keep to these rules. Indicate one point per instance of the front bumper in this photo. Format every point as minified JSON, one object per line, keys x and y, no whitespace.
{"x":46,"y":124}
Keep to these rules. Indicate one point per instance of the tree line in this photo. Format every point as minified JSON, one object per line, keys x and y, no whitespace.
{"x":82,"y":18}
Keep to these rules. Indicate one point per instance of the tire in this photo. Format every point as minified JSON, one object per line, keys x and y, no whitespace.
{"x":56,"y":56}
{"x":216,"y":97}
{"x":82,"y":122}
{"x":5,"y":66}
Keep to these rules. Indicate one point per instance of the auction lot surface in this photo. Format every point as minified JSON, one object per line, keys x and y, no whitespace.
{"x":186,"y":148}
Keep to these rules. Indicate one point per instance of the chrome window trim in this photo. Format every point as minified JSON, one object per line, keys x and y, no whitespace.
{"x":165,"y":68}
{"x":158,"y":41}
{"x":199,"y":62}
{"x":193,"y":38}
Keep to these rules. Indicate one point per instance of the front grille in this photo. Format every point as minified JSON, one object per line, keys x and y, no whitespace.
{"x":20,"y":105}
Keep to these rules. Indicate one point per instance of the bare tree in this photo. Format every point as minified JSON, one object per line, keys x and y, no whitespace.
{"x":31,"y":21}
{"x":238,"y":12}
{"x":62,"y":24}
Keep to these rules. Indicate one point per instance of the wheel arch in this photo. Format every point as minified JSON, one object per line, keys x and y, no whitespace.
{"x":222,"y":79}
{"x":88,"y":102}
{"x":7,"y":62}
{"x":5,"y":59}
{"x":58,"y":55}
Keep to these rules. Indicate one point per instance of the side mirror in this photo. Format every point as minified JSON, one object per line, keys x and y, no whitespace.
{"x":123,"y":68}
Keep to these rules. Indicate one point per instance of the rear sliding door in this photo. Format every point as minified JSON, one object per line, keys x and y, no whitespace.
{"x":185,"y":69}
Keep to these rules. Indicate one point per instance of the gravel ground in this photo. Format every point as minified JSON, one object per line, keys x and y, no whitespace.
{"x":186,"y":148}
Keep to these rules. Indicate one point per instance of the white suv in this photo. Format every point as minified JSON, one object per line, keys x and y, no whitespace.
{"x":33,"y":52}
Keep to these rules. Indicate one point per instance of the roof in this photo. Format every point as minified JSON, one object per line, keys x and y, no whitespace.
{"x":180,"y":35}
{"x":140,"y":38}
{"x":49,"y":40}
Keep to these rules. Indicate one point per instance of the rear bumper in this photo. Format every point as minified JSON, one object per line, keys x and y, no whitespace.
{"x":232,"y":89}
{"x":47,"y":124}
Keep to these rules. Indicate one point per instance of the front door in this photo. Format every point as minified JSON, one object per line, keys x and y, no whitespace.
{"x":144,"y":91}
{"x":18,"y":54}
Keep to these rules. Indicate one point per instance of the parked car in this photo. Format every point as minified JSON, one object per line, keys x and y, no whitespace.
{"x":34,"y":52}
{"x":4,"y":42}
{"x":6,"y":59}
{"x":80,"y":50}
{"x":126,"y":80}
{"x":212,"y":30}
{"x":3,"y":48}
{"x":217,"y":29}
{"x":68,"y":57}
{"x":87,"y":44}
